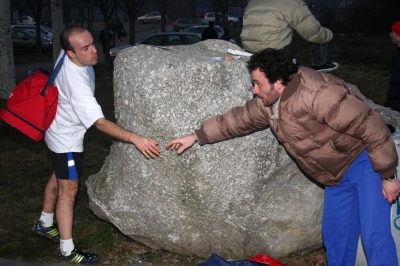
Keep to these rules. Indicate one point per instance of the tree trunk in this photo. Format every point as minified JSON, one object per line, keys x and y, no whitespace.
{"x":132,"y":25}
{"x":7,"y":70}
{"x":57,"y":26}
{"x":38,"y":17}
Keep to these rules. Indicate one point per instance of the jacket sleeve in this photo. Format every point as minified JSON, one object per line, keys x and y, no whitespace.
{"x":307,"y":26}
{"x":236,"y":122}
{"x":342,"y":111}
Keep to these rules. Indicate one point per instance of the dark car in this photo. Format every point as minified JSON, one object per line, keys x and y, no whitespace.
{"x":163,"y":39}
{"x":183,"y":23}
{"x":171,"y":38}
{"x":24,"y":41}
{"x":44,"y":30}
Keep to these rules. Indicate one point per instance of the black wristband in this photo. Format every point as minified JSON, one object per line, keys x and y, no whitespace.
{"x":392,"y":178}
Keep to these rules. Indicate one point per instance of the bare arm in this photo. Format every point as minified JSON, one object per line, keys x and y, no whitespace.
{"x":181,"y":144}
{"x":148,"y":147}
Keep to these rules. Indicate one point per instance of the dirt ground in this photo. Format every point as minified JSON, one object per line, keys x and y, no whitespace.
{"x":364,"y":61}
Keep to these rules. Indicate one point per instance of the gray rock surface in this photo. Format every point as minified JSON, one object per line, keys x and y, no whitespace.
{"x":235,"y":198}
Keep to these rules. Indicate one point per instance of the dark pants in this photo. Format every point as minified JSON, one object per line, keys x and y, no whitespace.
{"x":318,"y":52}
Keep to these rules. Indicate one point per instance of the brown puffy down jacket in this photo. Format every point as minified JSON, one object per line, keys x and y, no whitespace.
{"x":321,"y":123}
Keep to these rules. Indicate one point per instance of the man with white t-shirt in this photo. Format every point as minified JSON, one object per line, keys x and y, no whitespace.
{"x":77,"y":110}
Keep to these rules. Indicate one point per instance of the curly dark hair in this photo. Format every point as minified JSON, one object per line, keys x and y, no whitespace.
{"x":67,"y":32}
{"x":274,"y":64}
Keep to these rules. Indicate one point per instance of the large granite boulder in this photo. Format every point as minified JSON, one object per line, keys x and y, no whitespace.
{"x":236,"y":198}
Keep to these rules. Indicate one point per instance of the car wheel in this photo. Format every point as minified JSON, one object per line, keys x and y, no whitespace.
{"x":231,"y":23}
{"x":141,"y":21}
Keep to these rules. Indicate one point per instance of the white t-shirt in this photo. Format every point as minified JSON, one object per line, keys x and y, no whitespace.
{"x":77,"y":108}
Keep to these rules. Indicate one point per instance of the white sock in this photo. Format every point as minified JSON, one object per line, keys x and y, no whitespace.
{"x":67,"y":246}
{"x":47,"y":218}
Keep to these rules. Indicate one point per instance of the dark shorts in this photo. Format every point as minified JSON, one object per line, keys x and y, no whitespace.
{"x":68,"y":165}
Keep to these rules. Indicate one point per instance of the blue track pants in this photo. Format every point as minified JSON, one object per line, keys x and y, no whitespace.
{"x":357,"y":206}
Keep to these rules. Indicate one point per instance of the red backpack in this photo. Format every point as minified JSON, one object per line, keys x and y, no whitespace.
{"x":32,"y":104}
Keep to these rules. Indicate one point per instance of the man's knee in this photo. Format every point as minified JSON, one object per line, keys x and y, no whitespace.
{"x":68,"y":188}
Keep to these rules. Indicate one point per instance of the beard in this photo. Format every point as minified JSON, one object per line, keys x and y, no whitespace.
{"x":269,"y":98}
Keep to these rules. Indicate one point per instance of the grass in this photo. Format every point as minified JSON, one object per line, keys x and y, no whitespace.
{"x":26,"y":165}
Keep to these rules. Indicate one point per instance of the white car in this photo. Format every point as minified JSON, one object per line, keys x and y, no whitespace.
{"x":151,"y":17}
{"x":199,"y":30}
{"x":232,"y":21}
{"x":26,"y":20}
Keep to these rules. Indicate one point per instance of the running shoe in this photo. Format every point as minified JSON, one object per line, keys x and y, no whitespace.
{"x":50,"y":232}
{"x":78,"y":256}
{"x":327,"y":67}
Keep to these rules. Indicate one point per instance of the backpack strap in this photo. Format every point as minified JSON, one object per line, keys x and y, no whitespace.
{"x":53,"y":75}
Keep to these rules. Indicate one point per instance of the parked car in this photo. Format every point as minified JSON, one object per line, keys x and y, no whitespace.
{"x":25,"y":20}
{"x":200,"y":15}
{"x":44,"y":30}
{"x":232,"y":21}
{"x":199,"y":30}
{"x":182,"y":23}
{"x":163,"y":39}
{"x":151,"y":17}
{"x":24,"y":41}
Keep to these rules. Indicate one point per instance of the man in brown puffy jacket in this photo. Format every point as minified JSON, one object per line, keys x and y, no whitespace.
{"x":335,"y":137}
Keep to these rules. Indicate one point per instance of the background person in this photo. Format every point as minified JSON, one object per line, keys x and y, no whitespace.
{"x":226,"y":36}
{"x":102,"y":40}
{"x":77,"y":110}
{"x":209,"y":32}
{"x":335,"y":138}
{"x":112,"y":29}
{"x":119,"y":27}
{"x":286,"y":24}
{"x":393,"y":92}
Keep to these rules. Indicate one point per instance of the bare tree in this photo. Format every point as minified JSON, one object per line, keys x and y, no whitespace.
{"x":67,"y":6}
{"x":89,"y":10}
{"x":336,"y":3}
{"x":107,"y":8}
{"x":84,"y":7}
{"x":57,"y":26}
{"x":81,"y":5}
{"x":222,"y":6}
{"x":7,"y":71}
{"x":21,"y":7}
{"x":131,"y":8}
{"x":163,"y":6}
{"x":192,"y":4}
{"x":37,"y":7}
